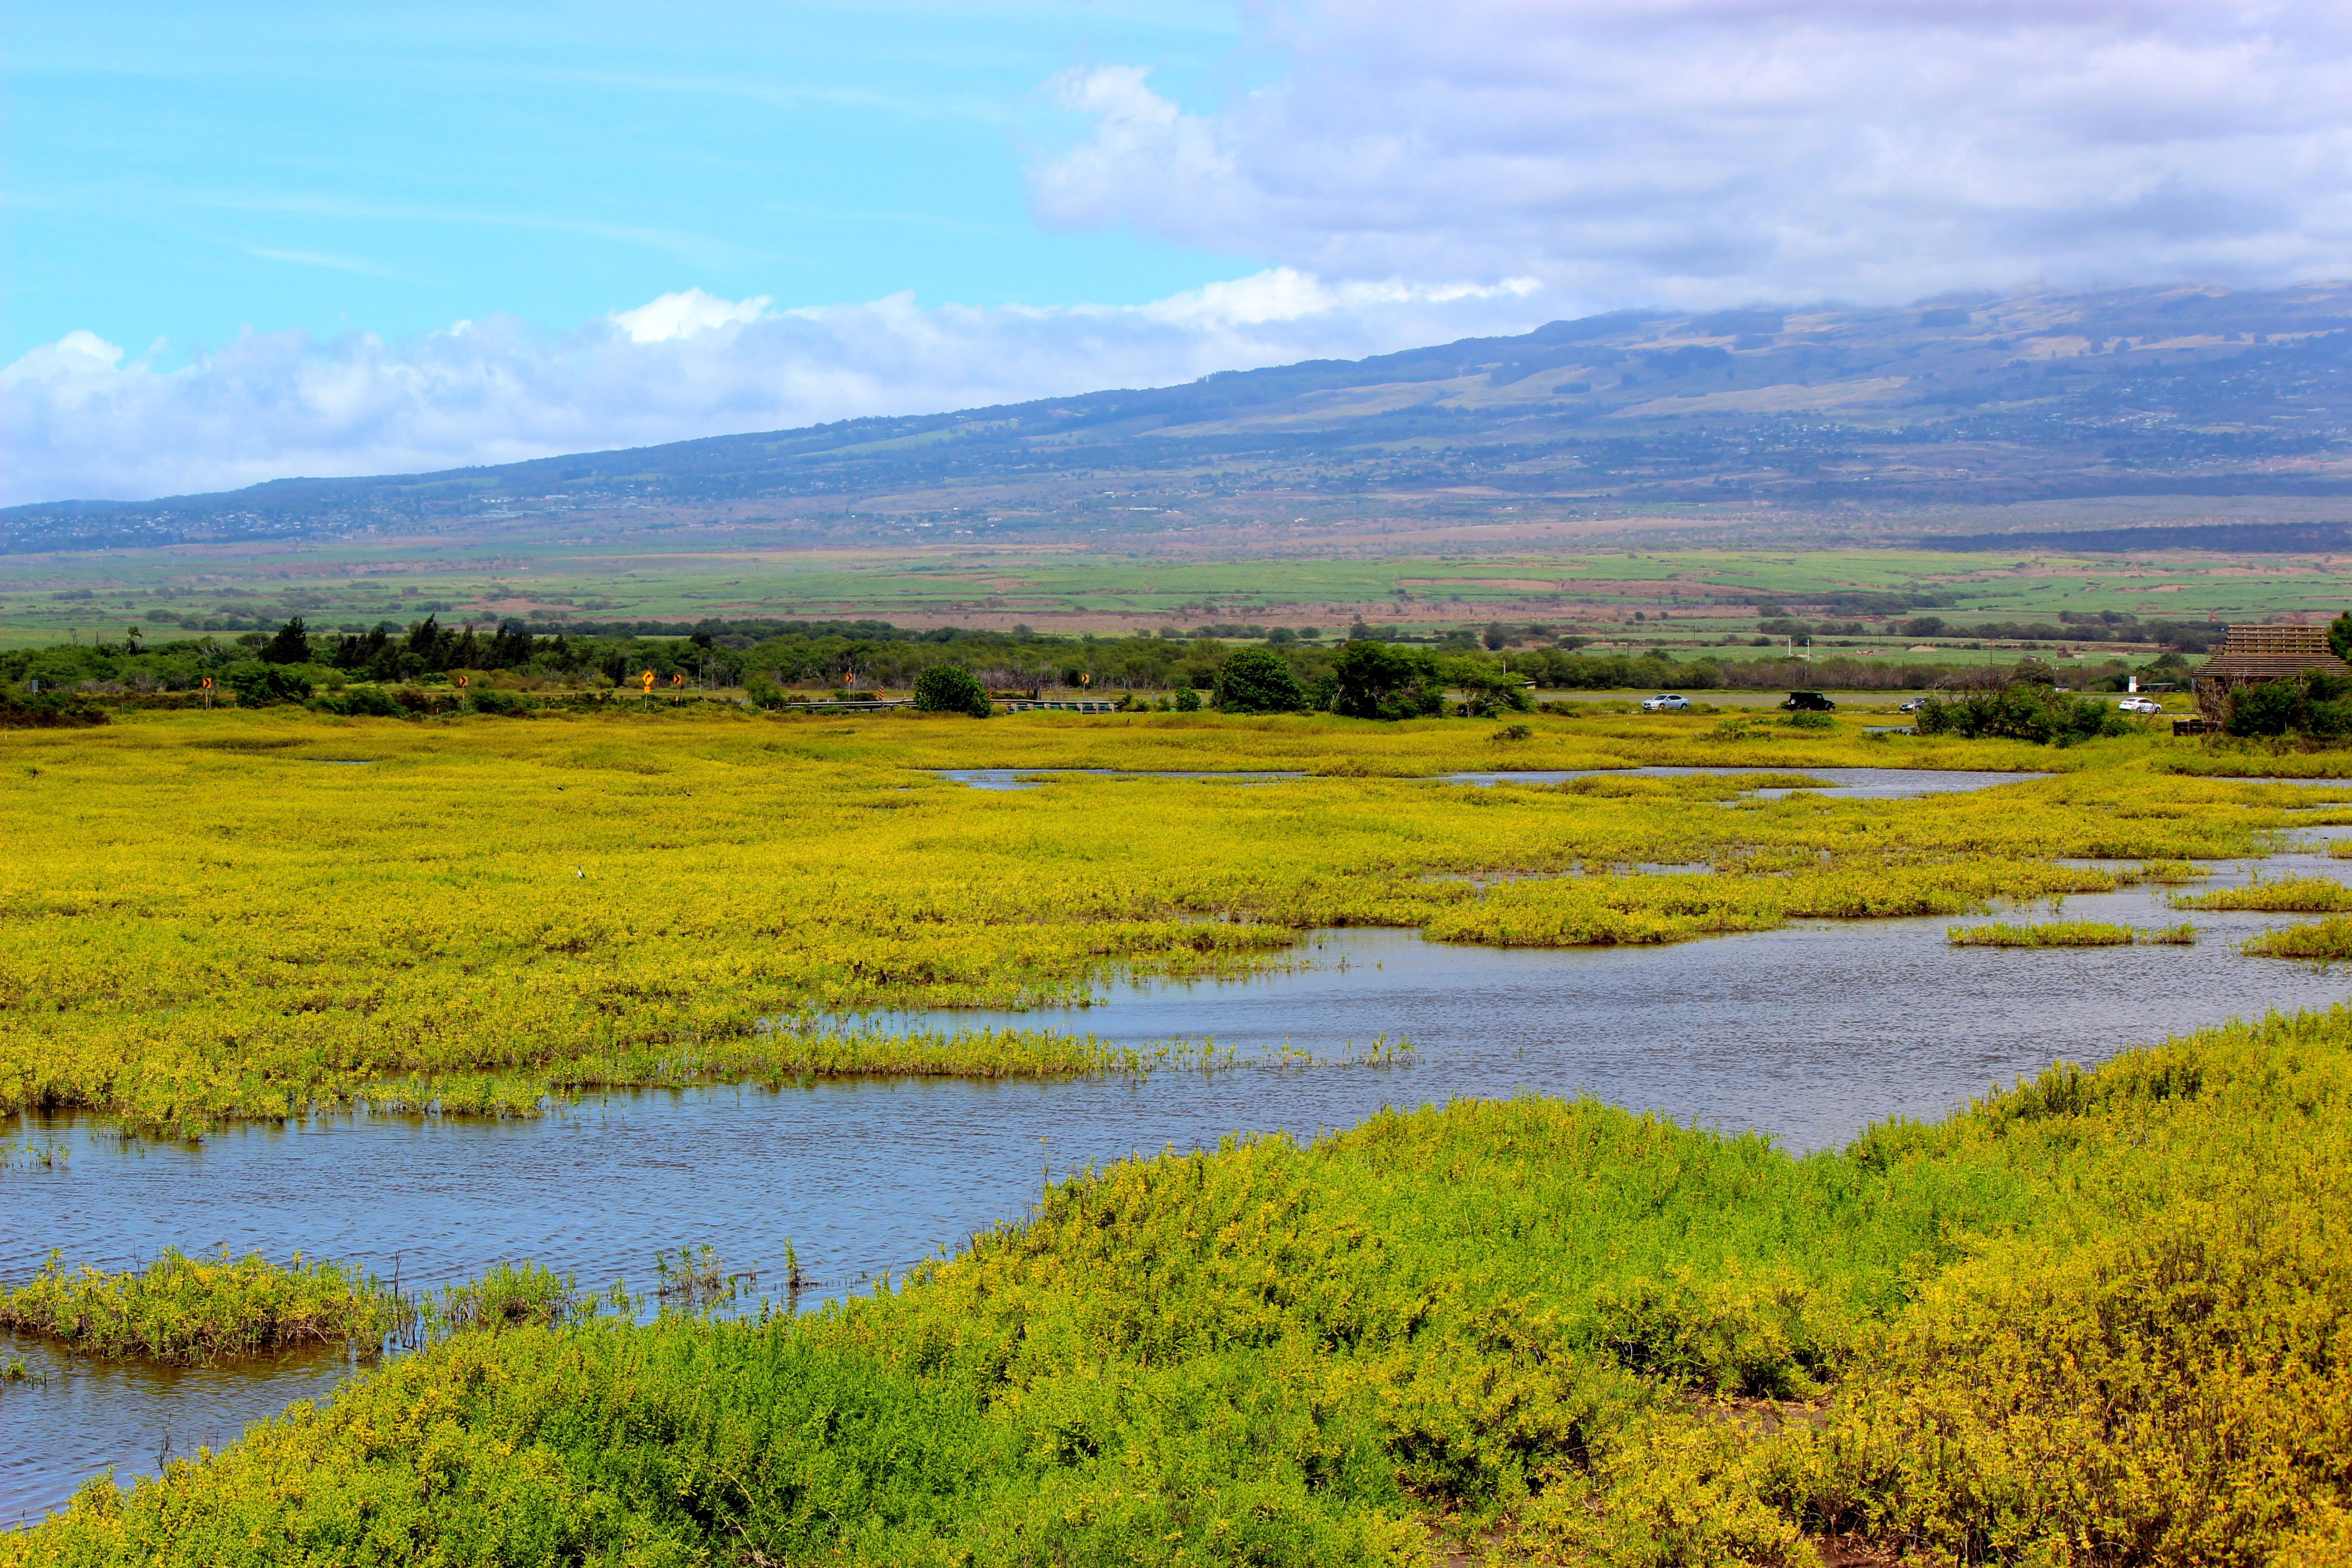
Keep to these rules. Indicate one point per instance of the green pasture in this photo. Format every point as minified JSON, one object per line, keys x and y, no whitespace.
{"x":357,"y":583}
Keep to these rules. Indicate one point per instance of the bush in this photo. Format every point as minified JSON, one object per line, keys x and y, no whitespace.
{"x":2033,"y":713}
{"x":1380,"y":680}
{"x":1809,"y":718}
{"x":48,"y":711}
{"x":2317,"y":705}
{"x":259,"y":685}
{"x":361,"y":701}
{"x":951,"y":689}
{"x":505,"y":704}
{"x":1259,"y":681}
{"x":415,"y":700}
{"x":1188,"y":700}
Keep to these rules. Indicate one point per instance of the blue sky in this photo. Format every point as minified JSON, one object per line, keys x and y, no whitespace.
{"x":244,"y":241}
{"x":183,"y":170}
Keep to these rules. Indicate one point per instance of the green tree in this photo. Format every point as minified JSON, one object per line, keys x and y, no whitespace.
{"x":369,"y":651}
{"x":257,"y":685}
{"x":511,"y":648}
{"x":1188,"y":699}
{"x":1259,"y":681}
{"x":2339,"y":634}
{"x":425,"y":648}
{"x":1487,"y":687}
{"x":951,"y":689}
{"x":2314,"y":704}
{"x":290,"y":646}
{"x":1380,"y":680}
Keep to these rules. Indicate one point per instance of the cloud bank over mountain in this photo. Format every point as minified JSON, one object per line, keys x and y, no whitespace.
{"x":82,"y":419}
{"x":1700,"y":152}
{"x":1410,"y":174}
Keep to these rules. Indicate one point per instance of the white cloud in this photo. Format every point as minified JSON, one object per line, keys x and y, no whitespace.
{"x":684,"y":314}
{"x":1706,"y":152}
{"x":79,"y":421}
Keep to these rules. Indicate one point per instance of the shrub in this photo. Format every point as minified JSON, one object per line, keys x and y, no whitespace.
{"x":1259,"y":681}
{"x":2317,"y":705}
{"x":505,"y":704}
{"x":951,"y":689}
{"x":1188,"y":700}
{"x":259,"y":685}
{"x":2021,"y":712}
{"x":48,"y":711}
{"x":1380,"y":680}
{"x":373,"y":701}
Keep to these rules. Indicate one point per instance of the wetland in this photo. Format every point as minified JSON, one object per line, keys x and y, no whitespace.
{"x":581,"y":990}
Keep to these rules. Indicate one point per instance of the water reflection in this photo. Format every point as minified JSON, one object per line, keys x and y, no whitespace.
{"x":1844,"y":784}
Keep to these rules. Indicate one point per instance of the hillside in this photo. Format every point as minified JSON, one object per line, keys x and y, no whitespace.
{"x":2174,"y":391}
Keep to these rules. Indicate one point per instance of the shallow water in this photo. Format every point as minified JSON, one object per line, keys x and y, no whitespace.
{"x":1844,"y":784}
{"x":1808,"y":1034}
{"x":1034,"y":778}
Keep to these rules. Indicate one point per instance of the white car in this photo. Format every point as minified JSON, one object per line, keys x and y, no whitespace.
{"x":1665,"y":702}
{"x":2140,"y":705}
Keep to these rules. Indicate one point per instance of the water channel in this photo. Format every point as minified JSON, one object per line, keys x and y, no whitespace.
{"x":1808,"y":1034}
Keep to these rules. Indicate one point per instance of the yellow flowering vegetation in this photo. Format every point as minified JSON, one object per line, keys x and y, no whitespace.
{"x":189,"y":1309}
{"x":2104,"y":1318}
{"x":251,"y":914}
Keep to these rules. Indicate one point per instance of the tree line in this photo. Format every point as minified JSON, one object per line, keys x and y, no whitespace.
{"x":293,"y":660}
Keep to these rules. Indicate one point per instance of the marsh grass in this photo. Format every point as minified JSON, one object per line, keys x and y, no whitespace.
{"x":513,"y":1294}
{"x":2166,"y":872}
{"x":2316,"y":942}
{"x":2297,"y":894}
{"x":187,"y":1308}
{"x":695,"y":1279}
{"x":496,"y":913}
{"x":2056,"y":934}
{"x":1553,"y":1326}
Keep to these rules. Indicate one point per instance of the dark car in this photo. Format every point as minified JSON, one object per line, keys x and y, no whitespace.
{"x":1808,"y":702}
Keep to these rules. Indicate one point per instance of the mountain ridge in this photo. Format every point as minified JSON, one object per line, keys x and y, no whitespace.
{"x":2176,"y":390}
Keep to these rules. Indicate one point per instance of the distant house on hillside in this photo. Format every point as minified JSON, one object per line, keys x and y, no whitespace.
{"x":2255,"y":654}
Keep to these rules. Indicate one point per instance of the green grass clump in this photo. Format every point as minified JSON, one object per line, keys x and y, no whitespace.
{"x":2167,"y":871}
{"x":2093,"y":1321}
{"x":2056,"y":934}
{"x":2299,"y":895}
{"x":190,"y":1308}
{"x":509,"y":1294}
{"x":2318,"y":942}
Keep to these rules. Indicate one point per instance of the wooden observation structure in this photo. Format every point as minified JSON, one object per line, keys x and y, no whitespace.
{"x":2252,"y":654}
